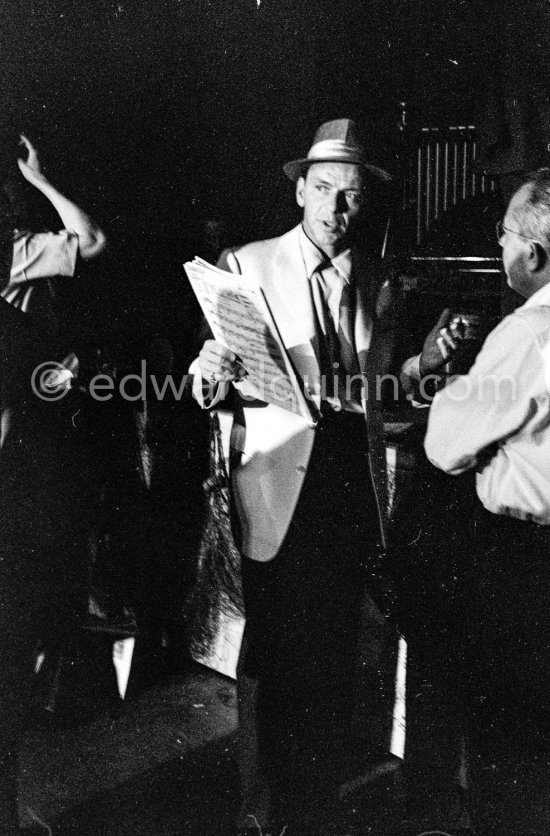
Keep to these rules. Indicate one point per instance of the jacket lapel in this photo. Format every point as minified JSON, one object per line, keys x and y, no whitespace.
{"x":288,"y":295}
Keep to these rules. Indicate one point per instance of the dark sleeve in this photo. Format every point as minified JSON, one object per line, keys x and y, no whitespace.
{"x":23,"y":346}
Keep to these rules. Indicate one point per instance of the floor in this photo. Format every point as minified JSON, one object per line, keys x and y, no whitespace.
{"x":162,"y":763}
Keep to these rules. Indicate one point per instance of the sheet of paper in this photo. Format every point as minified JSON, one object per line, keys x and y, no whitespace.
{"x":239,"y":316}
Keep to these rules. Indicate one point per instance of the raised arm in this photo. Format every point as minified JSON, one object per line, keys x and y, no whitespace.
{"x":91,"y":239}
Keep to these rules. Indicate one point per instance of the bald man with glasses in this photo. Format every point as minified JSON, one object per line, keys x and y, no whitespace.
{"x":496,"y":420}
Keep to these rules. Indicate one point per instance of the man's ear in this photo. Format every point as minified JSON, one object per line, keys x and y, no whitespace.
{"x":537,"y":257}
{"x":300,"y":185}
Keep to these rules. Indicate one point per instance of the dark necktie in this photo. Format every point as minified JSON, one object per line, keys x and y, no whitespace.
{"x":337,"y":351}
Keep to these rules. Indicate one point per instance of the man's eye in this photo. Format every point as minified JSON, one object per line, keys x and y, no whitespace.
{"x":353,"y":197}
{"x":321,"y":188}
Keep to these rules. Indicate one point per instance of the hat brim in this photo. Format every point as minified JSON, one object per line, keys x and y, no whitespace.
{"x":298,"y":168}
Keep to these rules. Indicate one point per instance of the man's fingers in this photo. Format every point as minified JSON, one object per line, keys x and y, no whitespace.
{"x":218,"y":374}
{"x":443,"y":319}
{"x":224,"y":360}
{"x":213,"y":349}
{"x":218,"y":364}
{"x":442,"y":347}
{"x":448,"y":338}
{"x":447,"y":342}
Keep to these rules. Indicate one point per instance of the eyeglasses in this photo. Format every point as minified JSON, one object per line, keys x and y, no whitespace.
{"x":501,"y":229}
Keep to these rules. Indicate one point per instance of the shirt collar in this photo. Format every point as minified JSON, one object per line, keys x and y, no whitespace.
{"x":314,"y":257}
{"x":541,"y":297}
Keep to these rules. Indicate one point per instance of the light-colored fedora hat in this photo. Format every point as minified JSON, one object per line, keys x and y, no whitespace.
{"x":337,"y":141}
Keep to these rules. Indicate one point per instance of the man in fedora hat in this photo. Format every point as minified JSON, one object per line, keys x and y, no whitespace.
{"x":310,"y":496}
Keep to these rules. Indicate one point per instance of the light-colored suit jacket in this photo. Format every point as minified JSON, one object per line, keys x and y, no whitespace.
{"x":269,"y":450}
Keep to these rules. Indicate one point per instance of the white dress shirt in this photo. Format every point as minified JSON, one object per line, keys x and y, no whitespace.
{"x":497,"y":417}
{"x":314,"y":259}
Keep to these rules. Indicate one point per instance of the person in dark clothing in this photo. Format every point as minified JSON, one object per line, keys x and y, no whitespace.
{"x":44,"y":495}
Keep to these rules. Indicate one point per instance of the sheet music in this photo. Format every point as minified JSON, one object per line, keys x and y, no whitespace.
{"x":239,"y":316}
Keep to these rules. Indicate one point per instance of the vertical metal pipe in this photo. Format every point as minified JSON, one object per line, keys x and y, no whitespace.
{"x":446,"y":177}
{"x":464,"y":165}
{"x":455,"y":170}
{"x":428,"y":183}
{"x":419,"y":195}
{"x":474,"y":155}
{"x":437,"y":178}
{"x":445,"y":173}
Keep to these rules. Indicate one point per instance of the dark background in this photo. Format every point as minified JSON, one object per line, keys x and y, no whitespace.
{"x":158,"y":114}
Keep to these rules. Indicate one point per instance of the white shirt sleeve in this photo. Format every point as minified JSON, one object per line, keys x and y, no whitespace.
{"x":489,"y":404}
{"x":43,"y":255}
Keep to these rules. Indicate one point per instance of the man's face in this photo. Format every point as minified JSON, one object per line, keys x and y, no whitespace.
{"x":515,"y":247}
{"x":331,"y":195}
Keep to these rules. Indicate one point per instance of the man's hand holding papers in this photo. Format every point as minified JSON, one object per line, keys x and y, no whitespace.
{"x":246,"y":341}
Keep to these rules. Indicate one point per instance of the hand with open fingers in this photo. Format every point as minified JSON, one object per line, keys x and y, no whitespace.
{"x":31,"y":166}
{"x":441,"y":343}
{"x":218,"y":364}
